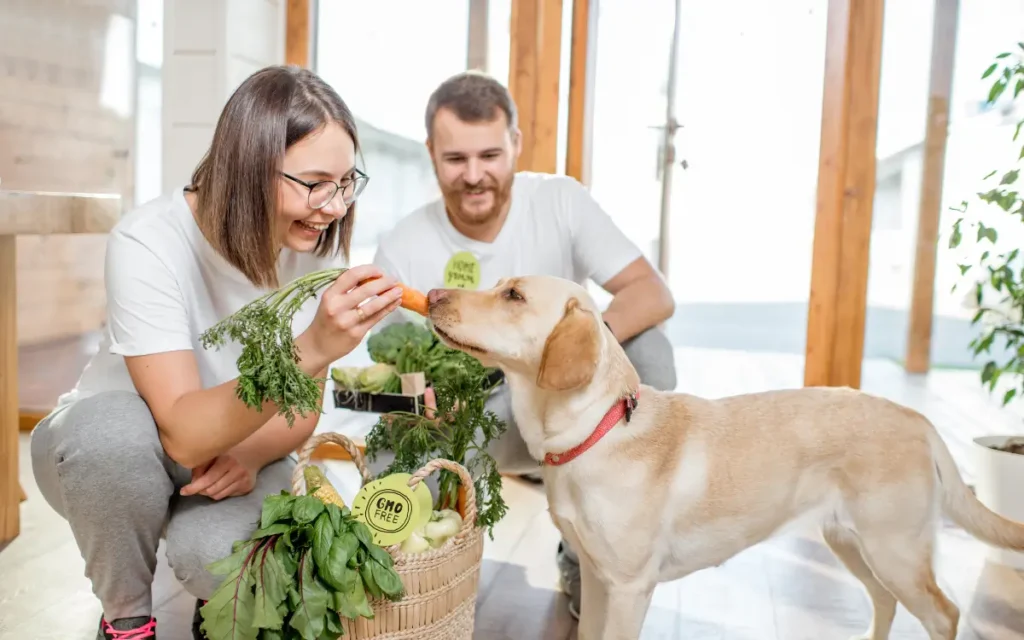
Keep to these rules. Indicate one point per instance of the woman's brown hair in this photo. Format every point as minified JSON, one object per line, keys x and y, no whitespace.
{"x":237,"y":183}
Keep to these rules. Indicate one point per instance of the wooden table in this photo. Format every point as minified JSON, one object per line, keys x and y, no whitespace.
{"x":25,"y":213}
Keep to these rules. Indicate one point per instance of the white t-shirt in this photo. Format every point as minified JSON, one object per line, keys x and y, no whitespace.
{"x":554,"y":227}
{"x":165,"y":286}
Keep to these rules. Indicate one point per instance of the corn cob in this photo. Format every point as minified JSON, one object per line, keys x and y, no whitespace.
{"x":318,"y":486}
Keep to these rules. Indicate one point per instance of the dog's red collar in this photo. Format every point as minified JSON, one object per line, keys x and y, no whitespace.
{"x":623,"y":409}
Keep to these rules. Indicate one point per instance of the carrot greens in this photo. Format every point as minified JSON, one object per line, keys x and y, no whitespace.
{"x":268,"y":367}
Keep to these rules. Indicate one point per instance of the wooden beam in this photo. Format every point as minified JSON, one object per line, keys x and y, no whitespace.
{"x":331,"y":451}
{"x":534,"y":68}
{"x":10,"y":490}
{"x":579,"y":74}
{"x":846,"y":189}
{"x":298,"y":25}
{"x":29,"y":418}
{"x":922,"y":300}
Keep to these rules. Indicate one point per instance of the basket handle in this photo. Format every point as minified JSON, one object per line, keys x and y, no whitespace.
{"x":299,"y":481}
{"x":469,"y":517}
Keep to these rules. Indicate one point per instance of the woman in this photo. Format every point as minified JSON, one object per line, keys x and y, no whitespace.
{"x":153,"y":435}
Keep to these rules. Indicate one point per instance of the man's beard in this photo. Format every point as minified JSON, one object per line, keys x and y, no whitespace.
{"x":500,"y":192}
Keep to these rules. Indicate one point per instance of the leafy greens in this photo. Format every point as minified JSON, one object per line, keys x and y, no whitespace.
{"x":309,"y":565}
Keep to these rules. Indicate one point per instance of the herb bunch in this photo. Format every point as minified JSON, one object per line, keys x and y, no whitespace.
{"x":462,"y":434}
{"x":307,"y":566}
{"x":268,"y":368}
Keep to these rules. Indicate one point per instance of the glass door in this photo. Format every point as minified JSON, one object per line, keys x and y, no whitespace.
{"x":633,"y":43}
{"x":738,"y":175}
{"x":386,"y":69}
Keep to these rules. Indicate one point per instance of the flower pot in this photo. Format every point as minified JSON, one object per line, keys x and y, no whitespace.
{"x":1000,"y":477}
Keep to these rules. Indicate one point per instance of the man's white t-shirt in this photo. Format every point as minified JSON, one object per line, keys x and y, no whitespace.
{"x":165,"y":286}
{"x":554,"y":227}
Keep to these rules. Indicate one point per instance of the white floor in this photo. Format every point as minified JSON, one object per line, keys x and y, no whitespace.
{"x":784,"y":589}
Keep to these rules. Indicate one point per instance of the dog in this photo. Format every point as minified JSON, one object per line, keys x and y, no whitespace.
{"x":651,"y":486}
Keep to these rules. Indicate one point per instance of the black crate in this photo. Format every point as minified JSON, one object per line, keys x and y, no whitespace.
{"x":377,"y":402}
{"x":388,"y":402}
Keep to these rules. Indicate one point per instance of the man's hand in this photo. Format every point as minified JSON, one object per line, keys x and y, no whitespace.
{"x":223,"y":477}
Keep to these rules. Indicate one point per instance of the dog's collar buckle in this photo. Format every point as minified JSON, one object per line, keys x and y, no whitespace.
{"x":631,"y":403}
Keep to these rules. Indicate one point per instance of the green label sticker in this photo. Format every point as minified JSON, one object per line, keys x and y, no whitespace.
{"x":392,"y":510}
{"x":462,"y":271}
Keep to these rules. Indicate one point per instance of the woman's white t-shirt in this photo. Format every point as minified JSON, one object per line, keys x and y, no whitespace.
{"x":165,"y":286}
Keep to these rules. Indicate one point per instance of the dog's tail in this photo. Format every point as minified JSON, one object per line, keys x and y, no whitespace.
{"x":964,"y":507}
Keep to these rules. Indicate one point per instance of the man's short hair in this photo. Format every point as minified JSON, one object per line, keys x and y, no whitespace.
{"x":473,"y":96}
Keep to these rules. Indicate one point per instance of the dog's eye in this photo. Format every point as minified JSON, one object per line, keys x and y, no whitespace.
{"x":512,"y":294}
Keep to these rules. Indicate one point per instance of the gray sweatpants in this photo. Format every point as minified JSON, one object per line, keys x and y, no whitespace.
{"x":99,"y":463}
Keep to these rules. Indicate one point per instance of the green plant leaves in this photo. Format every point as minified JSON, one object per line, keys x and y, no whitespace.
{"x":309,"y":565}
{"x":306,"y":509}
{"x":348,"y":542}
{"x":386,"y":581}
{"x":986,"y":233}
{"x":228,"y":614}
{"x":998,"y":276}
{"x":272,"y":587}
{"x":350,"y":599}
{"x":323,"y":537}
{"x":276,"y":508}
{"x":309,"y":602}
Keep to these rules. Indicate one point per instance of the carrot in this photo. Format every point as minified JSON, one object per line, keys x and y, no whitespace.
{"x":412,"y":299}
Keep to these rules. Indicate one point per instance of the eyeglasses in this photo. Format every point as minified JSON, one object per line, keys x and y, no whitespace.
{"x":323,"y":191}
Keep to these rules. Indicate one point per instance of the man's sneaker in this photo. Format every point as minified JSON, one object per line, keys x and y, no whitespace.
{"x":569,"y":569}
{"x":197,"y":622}
{"x":140,"y":628}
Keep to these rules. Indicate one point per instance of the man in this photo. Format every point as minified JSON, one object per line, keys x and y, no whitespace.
{"x":492,"y":222}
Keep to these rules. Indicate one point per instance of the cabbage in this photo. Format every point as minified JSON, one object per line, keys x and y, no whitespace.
{"x":376,"y":377}
{"x":345,"y":377}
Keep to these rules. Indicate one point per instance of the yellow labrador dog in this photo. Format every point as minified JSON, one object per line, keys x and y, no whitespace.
{"x":651,"y":486}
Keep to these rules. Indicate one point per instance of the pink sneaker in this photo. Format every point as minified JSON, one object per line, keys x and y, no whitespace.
{"x":140,"y":628}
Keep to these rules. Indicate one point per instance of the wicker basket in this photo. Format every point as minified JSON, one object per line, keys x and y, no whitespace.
{"x":440,"y":584}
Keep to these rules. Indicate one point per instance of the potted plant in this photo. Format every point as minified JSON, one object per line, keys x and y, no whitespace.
{"x":997,"y":292}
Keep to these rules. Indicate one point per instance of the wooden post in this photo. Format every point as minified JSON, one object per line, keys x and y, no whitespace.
{"x":846,"y":188}
{"x":534,"y":67}
{"x":922,"y":300}
{"x":32,"y":214}
{"x":298,"y":24}
{"x":580,"y":76}
{"x":10,"y":490}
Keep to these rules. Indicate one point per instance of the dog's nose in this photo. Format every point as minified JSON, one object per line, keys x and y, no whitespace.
{"x":435,"y":296}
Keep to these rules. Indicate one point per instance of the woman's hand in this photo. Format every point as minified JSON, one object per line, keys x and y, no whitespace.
{"x":348,"y":310}
{"x":223,"y":477}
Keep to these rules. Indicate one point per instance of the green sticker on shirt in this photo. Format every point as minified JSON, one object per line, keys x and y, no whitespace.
{"x":462,"y":271}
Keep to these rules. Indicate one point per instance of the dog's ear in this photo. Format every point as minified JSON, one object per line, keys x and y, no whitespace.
{"x":571,"y":352}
